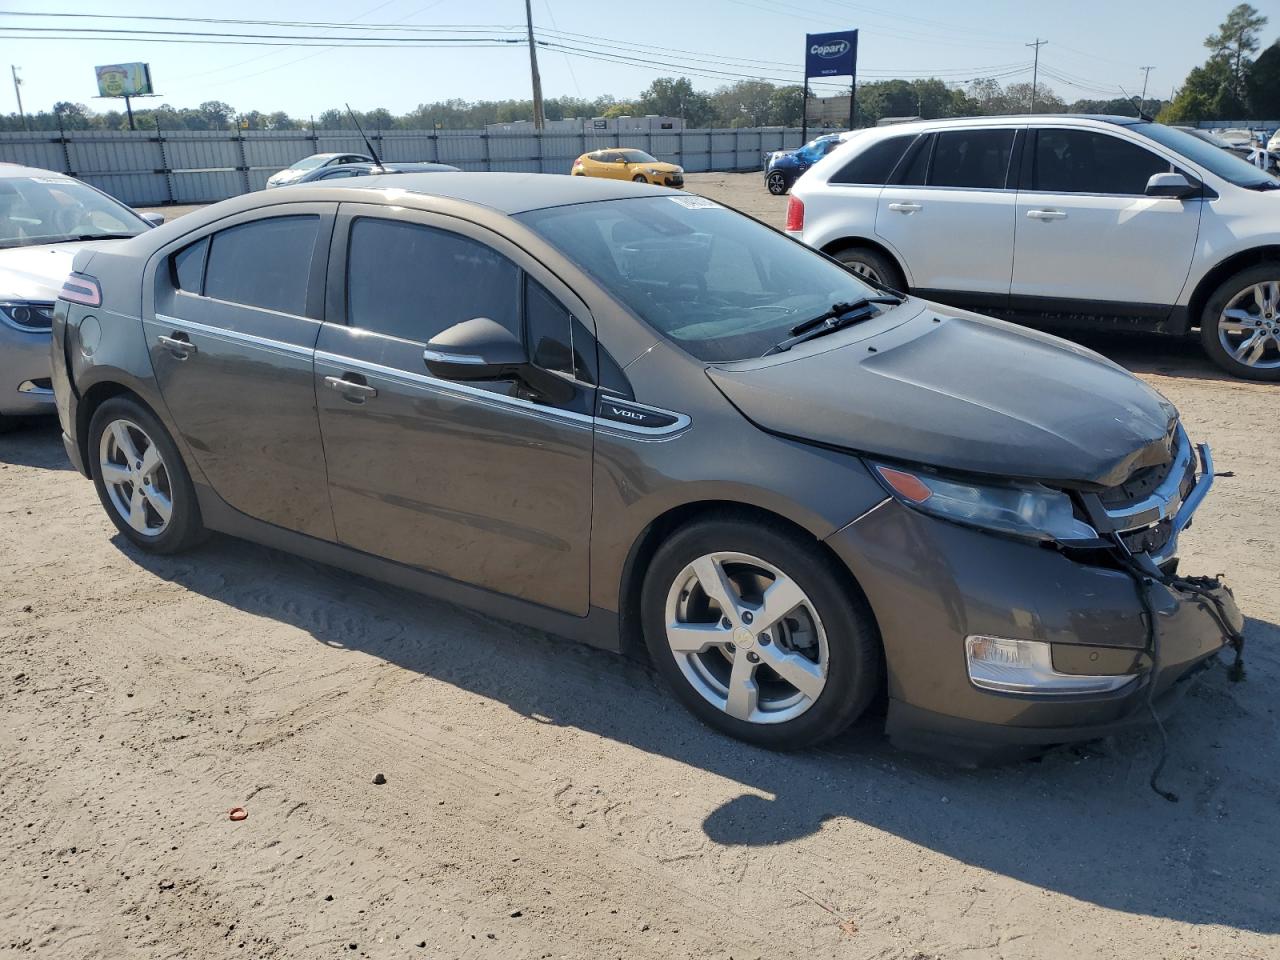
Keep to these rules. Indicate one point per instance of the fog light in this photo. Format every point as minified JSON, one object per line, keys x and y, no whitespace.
{"x":1026,"y":666}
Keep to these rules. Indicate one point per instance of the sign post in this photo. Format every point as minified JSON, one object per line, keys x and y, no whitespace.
{"x":831,"y":55}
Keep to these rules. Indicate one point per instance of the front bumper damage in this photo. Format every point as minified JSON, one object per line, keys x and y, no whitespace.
{"x":932,"y":584}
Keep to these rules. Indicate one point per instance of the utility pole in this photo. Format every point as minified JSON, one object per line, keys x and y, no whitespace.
{"x":1146,"y":75}
{"x":539,"y":120}
{"x":1035,"y":71}
{"x":17,"y":92}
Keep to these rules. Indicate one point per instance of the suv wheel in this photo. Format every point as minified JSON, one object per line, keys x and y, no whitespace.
{"x":777,"y":183}
{"x":872,"y":265}
{"x":1240,"y":328}
{"x":141,"y":479}
{"x":757,"y":635}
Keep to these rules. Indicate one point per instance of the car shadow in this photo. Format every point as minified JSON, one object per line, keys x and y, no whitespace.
{"x":33,"y":442}
{"x":1080,"y":821}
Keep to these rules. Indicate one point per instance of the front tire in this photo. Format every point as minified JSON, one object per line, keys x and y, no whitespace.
{"x":639,"y":178}
{"x":777,"y":183}
{"x":1240,"y":327}
{"x":757,"y":633}
{"x":141,"y":480}
{"x":872,"y":265}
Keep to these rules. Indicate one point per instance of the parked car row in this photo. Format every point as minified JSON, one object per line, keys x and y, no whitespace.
{"x":1077,"y":221}
{"x":631,"y":415}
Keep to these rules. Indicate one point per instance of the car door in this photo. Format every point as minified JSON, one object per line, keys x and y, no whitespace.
{"x":488,"y":484}
{"x":231,"y":322}
{"x":948,"y":215}
{"x":1088,"y":237}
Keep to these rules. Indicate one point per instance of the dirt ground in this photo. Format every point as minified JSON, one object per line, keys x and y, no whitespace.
{"x":546,"y":800}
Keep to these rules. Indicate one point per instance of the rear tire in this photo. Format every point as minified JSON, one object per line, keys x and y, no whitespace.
{"x":872,"y":265}
{"x":141,"y":480}
{"x":817,"y":657}
{"x":1240,"y":327}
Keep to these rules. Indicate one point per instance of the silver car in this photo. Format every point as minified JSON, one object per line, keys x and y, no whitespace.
{"x":45,"y":219}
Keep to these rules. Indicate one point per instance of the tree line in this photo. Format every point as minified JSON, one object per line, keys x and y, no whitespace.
{"x":1231,"y":84}
{"x":749,"y":103}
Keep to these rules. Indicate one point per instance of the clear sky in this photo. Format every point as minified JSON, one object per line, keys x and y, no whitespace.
{"x":1096,"y":45}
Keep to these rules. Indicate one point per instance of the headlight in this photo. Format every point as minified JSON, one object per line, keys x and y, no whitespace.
{"x":27,"y":314}
{"x":1031,"y":511}
{"x":654,"y":173}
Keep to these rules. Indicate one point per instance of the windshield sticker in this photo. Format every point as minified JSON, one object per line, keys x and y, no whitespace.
{"x":694,"y":202}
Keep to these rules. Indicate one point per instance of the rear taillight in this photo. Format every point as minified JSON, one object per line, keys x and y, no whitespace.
{"x":83,"y":289}
{"x":795,"y":214}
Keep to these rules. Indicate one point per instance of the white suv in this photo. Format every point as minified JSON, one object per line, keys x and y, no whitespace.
{"x":1085,"y":221}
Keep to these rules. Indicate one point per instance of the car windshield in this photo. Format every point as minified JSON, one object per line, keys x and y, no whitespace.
{"x":54,"y":209}
{"x":716,"y":283}
{"x":637,"y":156}
{"x":1217,"y":161}
{"x":310,"y":163}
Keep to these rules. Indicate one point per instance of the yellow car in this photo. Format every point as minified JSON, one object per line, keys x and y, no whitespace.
{"x":627,"y":164}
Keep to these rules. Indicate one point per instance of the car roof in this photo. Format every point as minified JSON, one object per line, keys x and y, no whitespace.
{"x":507,"y":192}
{"x":15,"y":171}
{"x":1012,"y":117}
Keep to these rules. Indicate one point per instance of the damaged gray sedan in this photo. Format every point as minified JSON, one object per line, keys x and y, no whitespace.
{"x":633,"y":416}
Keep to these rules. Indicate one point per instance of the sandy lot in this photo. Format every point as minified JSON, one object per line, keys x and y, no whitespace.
{"x":546,"y":800}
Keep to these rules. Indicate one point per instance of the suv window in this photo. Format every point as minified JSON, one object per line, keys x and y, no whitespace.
{"x":1082,"y":161}
{"x":265,"y":263}
{"x":874,"y":164}
{"x":971,"y":158}
{"x":413,"y":282}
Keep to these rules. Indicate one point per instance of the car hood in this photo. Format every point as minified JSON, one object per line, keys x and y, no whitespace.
{"x":959,"y":392}
{"x":660,"y":165}
{"x":36,"y":273}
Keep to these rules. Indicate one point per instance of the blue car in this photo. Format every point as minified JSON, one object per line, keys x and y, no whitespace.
{"x":782,"y":168}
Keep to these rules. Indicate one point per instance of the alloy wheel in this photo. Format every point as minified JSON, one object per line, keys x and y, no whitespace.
{"x":1249,"y":327}
{"x":777,"y":184}
{"x":863,"y":269}
{"x":747,"y":638}
{"x":135,"y":477}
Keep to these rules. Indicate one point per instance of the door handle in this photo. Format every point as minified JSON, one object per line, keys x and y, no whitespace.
{"x":904,"y":207}
{"x":352,"y":390}
{"x":1046,"y":215}
{"x":178,"y":345}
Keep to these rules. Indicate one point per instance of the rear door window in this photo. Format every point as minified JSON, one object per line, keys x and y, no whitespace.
{"x":413,"y":282}
{"x":264,"y":263}
{"x":1083,"y":161}
{"x":874,"y":164}
{"x":973,"y":159}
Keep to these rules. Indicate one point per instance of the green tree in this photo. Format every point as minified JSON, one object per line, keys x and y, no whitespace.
{"x":1263,"y":86}
{"x":1207,"y":94}
{"x":1236,"y":39}
{"x":746,"y":103}
{"x":675,"y":97}
{"x":786,"y":106}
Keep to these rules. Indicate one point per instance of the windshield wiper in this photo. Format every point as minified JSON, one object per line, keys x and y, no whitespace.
{"x":840,"y":315}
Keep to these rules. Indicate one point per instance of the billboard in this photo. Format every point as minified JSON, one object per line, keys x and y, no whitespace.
{"x":124,"y":80}
{"x":831,"y":54}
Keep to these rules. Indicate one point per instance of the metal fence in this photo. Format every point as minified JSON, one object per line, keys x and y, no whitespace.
{"x":151,"y":168}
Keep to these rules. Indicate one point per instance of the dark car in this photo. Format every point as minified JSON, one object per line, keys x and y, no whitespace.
{"x":348,"y":170}
{"x":627,"y":414}
{"x":782,"y":168}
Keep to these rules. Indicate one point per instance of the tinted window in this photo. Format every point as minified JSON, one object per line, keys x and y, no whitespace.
{"x":340,"y":173}
{"x":971,"y":158}
{"x":188,"y":266}
{"x":1080,"y":161}
{"x":718,"y":284}
{"x":557,"y":340}
{"x":1226,"y":165}
{"x":916,"y":167}
{"x":266,"y":263}
{"x":636,"y":156}
{"x":874,"y":164}
{"x":413,"y":282}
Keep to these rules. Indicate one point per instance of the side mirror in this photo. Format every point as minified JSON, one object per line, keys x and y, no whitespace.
{"x":1172,"y":185}
{"x":480,"y":350}
{"x":155,"y":219}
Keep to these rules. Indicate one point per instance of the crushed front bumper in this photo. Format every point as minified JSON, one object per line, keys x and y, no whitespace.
{"x":25,"y":387}
{"x":932,"y":584}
